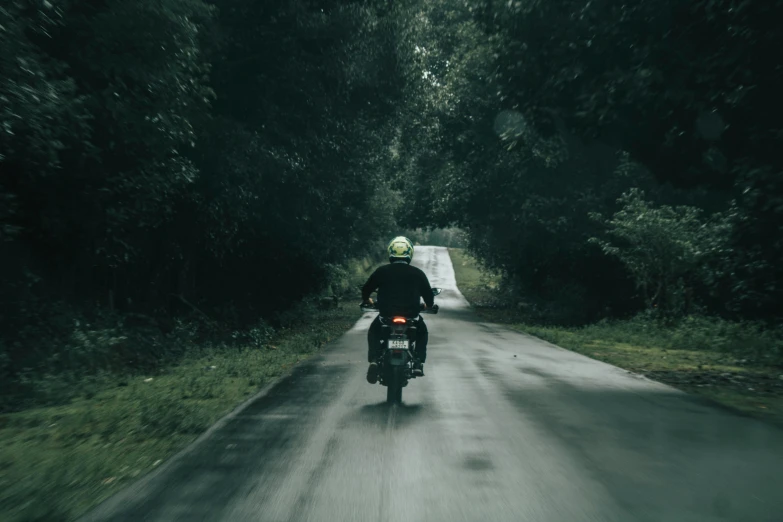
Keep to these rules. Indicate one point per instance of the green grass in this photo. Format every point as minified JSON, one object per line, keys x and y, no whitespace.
{"x":739,"y":365}
{"x":478,"y":286}
{"x":56,"y":462}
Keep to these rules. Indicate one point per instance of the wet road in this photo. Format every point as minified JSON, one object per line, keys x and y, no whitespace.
{"x":504,"y":427}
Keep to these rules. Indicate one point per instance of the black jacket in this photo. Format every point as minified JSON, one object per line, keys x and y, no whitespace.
{"x":399,"y":287}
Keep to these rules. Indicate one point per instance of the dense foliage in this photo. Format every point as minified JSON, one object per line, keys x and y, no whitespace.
{"x":160,"y":157}
{"x":228,"y":155}
{"x":666,"y":250}
{"x":542,"y":113}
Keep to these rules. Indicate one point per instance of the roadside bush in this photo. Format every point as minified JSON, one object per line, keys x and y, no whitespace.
{"x":666,"y":249}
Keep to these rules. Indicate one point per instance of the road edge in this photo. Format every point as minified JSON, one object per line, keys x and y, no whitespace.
{"x":98,"y":512}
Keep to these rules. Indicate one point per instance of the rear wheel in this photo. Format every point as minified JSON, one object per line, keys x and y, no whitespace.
{"x":394,"y":387}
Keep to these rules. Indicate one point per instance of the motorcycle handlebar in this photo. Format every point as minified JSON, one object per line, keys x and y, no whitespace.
{"x":433,"y":310}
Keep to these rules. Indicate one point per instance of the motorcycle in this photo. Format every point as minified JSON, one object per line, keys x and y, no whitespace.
{"x":395,"y":365}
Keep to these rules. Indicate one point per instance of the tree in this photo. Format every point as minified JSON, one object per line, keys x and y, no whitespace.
{"x":531,"y":103}
{"x":223,"y":155}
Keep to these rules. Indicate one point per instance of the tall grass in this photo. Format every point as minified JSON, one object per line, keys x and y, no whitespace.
{"x":751,"y":341}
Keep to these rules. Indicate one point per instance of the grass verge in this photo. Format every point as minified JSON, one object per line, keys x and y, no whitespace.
{"x":739,"y":365}
{"x":56,"y":462}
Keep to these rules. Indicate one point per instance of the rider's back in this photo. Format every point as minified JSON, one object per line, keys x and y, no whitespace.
{"x":400,"y":287}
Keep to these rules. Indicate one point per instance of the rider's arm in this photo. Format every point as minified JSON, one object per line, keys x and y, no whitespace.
{"x":426,"y":291}
{"x":370,"y":286}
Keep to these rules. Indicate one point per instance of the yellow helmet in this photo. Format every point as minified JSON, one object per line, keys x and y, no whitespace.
{"x":400,"y":248}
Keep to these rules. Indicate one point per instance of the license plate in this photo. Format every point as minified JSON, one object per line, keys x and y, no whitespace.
{"x":395,"y":344}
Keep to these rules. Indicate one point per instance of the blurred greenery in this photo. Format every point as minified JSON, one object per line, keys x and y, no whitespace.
{"x":444,"y":237}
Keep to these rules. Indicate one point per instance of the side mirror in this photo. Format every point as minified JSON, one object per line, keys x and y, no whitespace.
{"x":436,"y":291}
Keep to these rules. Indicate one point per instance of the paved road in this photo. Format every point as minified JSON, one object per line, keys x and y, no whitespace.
{"x":503,"y":428}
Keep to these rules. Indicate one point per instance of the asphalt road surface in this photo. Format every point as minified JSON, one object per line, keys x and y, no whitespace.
{"x":504,"y":427}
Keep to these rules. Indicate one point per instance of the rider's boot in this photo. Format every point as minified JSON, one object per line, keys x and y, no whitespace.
{"x":418,"y":369}
{"x":372,"y":373}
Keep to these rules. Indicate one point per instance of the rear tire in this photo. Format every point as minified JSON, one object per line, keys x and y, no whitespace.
{"x":394,"y":388}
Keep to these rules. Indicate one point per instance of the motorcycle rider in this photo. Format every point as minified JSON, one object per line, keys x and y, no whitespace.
{"x":399,"y":287}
